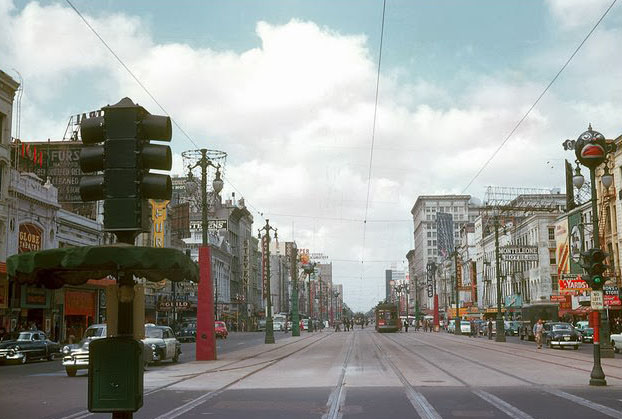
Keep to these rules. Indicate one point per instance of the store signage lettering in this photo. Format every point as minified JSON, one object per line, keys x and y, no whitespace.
{"x":29,"y":238}
{"x":519,"y":253}
{"x":169,"y":305}
{"x":217,"y":224}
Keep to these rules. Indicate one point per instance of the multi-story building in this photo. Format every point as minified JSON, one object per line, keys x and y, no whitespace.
{"x":8,"y":87}
{"x":463,"y":208}
{"x":522,"y":280}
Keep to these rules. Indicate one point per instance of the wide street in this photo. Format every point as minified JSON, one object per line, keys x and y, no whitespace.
{"x":360,"y":374}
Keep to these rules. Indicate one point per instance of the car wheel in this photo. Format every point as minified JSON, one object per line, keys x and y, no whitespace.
{"x":71,"y":372}
{"x":176,"y":358}
{"x":50,"y":357}
{"x":613,"y":344}
{"x":576,"y":347}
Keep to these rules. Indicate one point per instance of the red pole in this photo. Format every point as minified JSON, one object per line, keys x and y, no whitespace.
{"x":596,"y":325}
{"x":206,"y":336}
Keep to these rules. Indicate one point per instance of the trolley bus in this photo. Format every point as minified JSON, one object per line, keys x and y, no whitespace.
{"x":387,"y":320}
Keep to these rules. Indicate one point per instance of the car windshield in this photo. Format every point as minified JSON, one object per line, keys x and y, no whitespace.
{"x":94,"y":332}
{"x":562,"y":327}
{"x":152,"y":332}
{"x":24,"y":336}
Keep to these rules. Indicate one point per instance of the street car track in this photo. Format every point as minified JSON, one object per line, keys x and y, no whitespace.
{"x":608,"y":411}
{"x":418,"y":401}
{"x":337,"y":396}
{"x":85,"y":413}
{"x":186,"y":407}
{"x":539,"y":358}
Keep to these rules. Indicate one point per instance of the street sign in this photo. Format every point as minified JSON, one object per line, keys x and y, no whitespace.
{"x":597,"y":300}
{"x":514,"y":253}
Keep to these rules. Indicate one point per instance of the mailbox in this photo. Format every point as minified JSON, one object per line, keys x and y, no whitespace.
{"x":115,"y":375}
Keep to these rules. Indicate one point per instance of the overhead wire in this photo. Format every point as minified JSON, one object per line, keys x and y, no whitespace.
{"x":518,"y":124}
{"x":142,"y":85}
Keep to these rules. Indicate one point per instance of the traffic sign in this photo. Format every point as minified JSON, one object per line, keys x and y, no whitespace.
{"x":597,"y":300}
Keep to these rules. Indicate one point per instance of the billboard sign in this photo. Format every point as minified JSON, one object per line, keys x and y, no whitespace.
{"x":29,"y":238}
{"x":562,"y":249}
{"x":572,"y":284}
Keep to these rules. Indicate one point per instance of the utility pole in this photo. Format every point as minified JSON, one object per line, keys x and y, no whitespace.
{"x":293,"y":255}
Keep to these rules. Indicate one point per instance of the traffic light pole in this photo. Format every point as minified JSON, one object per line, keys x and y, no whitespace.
{"x":597,"y":376}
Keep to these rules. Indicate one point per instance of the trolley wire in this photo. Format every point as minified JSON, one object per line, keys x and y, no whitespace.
{"x":518,"y":124}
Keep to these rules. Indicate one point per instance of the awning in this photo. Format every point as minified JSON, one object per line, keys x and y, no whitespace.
{"x":54,"y":268}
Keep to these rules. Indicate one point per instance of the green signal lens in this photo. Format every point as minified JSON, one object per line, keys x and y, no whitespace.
{"x":598,"y":280}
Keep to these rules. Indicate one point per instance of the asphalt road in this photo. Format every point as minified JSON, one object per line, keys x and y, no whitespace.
{"x":360,"y":374}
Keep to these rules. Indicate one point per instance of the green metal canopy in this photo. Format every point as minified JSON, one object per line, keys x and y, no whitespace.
{"x":54,"y":268}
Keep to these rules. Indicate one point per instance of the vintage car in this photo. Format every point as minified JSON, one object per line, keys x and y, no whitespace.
{"x":27,"y":346}
{"x":616,"y":341}
{"x":162,"y":342}
{"x":76,"y":356}
{"x":587,"y":334}
{"x":221,"y":330}
{"x":187,"y":333}
{"x":560,"y":335}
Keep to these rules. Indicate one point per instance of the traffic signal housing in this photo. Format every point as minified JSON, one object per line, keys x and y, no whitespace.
{"x":125,"y":158}
{"x":593,"y":263}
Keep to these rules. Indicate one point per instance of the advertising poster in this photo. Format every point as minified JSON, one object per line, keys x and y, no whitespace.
{"x":574,"y":241}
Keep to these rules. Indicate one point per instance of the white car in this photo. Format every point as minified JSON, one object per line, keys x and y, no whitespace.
{"x":616,"y":342}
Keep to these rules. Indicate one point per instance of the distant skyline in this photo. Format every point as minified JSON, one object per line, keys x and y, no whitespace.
{"x":287,"y":89}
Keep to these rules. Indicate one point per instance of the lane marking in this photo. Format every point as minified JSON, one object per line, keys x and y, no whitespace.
{"x":416,"y":399}
{"x":502,"y":405}
{"x":605,"y":410}
{"x":579,"y":400}
{"x":337,"y":397}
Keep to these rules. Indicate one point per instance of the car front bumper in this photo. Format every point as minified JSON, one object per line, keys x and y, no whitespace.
{"x":11,"y":356}
{"x":77,"y":361}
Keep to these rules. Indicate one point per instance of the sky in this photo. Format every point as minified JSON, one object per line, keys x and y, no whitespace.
{"x":288,"y":90}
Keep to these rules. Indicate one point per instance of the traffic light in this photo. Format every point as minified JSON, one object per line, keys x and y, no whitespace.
{"x":593,"y":263}
{"x":125,"y":158}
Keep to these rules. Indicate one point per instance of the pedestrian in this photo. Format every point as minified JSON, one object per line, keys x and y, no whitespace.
{"x":537,"y":332}
{"x":489,"y":329}
{"x":406,"y":326}
{"x":352,"y":324}
{"x":472,"y":326}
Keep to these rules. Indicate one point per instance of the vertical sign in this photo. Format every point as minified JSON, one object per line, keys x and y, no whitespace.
{"x":158,"y":216}
{"x":264,"y":264}
{"x":575,"y":238}
{"x":430,"y":279}
{"x":444,"y":234}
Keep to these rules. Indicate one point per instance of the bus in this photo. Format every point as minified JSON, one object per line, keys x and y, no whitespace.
{"x":387,"y":320}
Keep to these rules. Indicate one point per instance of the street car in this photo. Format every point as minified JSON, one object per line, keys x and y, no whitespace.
{"x":221,"y":330}
{"x":560,"y":335}
{"x":76,"y":356}
{"x":162,"y":342}
{"x":27,"y":346}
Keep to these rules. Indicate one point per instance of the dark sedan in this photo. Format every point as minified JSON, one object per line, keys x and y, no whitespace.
{"x":560,"y":335}
{"x":27,"y":346}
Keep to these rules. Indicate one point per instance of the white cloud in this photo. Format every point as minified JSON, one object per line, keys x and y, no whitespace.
{"x":295,"y":115}
{"x":572,"y":14}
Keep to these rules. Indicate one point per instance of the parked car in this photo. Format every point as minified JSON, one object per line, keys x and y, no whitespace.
{"x":583,"y":324}
{"x":261,"y":325}
{"x":162,"y":342}
{"x":616,"y":341}
{"x":187,"y":333}
{"x":221,"y":330}
{"x":560,"y":335}
{"x":465,"y":327}
{"x":511,"y":327}
{"x":587,"y":335}
{"x":28,"y":345}
{"x":76,"y":356}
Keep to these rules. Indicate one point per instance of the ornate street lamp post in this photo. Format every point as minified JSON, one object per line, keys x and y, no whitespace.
{"x":206,"y":337}
{"x":309,"y":269}
{"x":592,"y":150}
{"x":268,"y":294}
